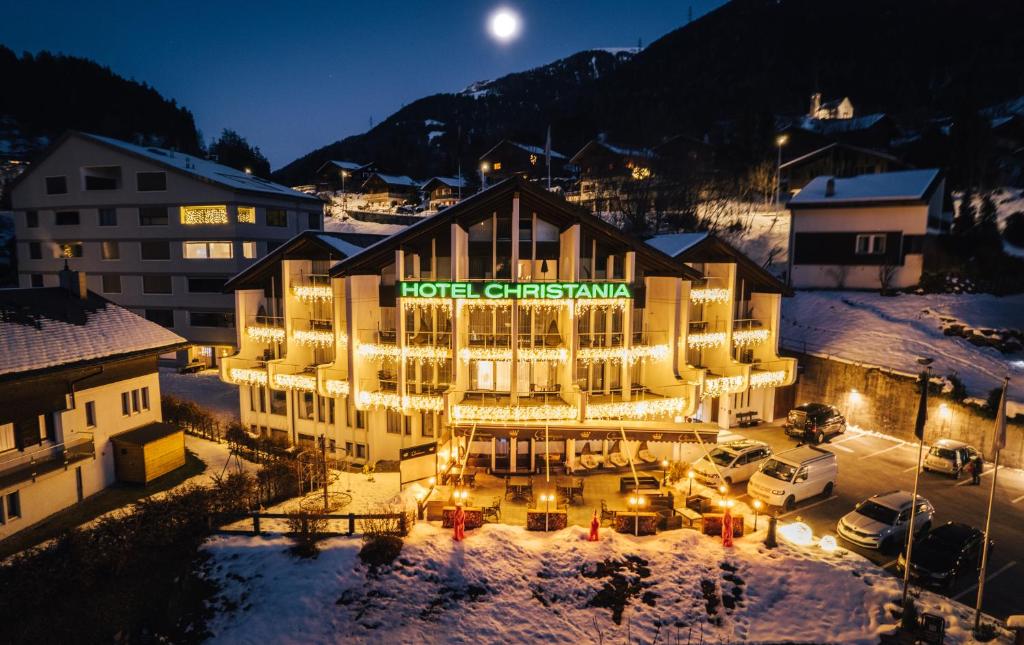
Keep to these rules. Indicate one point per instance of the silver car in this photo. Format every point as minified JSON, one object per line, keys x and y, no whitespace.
{"x":949,"y":456}
{"x":881,"y":521}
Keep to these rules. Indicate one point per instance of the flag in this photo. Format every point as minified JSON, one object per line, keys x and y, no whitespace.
{"x":547,"y":148}
{"x":999,"y":437}
{"x":922,"y":408}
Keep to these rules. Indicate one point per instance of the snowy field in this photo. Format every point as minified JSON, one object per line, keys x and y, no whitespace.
{"x":349,"y":225}
{"x":506,"y":585}
{"x":202,"y":388}
{"x":894,"y":332}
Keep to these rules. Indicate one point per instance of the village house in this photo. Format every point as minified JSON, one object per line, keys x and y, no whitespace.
{"x":510,"y":317}
{"x":390,"y":190}
{"x":835,"y":160}
{"x":443,"y":192}
{"x":78,"y":375}
{"x":509,"y":158}
{"x":604,"y":168}
{"x":348,"y":176}
{"x":155,"y":230}
{"x":865,"y":232}
{"x":835,"y":109}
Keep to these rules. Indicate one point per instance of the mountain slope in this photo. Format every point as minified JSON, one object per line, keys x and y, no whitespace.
{"x":741,"y":62}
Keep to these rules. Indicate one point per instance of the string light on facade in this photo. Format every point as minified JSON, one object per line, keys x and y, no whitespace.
{"x":204,"y":214}
{"x":248,"y":376}
{"x":719,"y":385}
{"x":708,"y":295}
{"x":706,"y":340}
{"x":407,"y":402}
{"x":304,"y":382}
{"x":767,"y":379}
{"x":601,"y":303}
{"x":646,"y":409}
{"x":629,"y":355}
{"x":313,"y":292}
{"x":485,"y":354}
{"x":314,"y":337}
{"x":444,"y":305}
{"x":553,"y":354}
{"x":424,"y":354}
{"x":336,"y":387}
{"x":265,"y":334}
{"x":246,"y":214}
{"x":746,"y":337}
{"x":507,"y":413}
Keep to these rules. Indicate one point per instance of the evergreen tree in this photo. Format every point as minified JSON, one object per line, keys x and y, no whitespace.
{"x":963,"y":224}
{"x":987,"y":228}
{"x":233,"y":150}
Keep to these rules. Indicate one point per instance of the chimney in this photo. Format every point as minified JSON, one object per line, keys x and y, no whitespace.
{"x":815,"y":104}
{"x":73,"y":282}
{"x":830,"y":187}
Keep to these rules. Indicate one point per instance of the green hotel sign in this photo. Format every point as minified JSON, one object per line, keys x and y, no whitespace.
{"x":518,"y":290}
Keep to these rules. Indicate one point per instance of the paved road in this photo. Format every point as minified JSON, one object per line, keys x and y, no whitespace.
{"x":870,"y":464}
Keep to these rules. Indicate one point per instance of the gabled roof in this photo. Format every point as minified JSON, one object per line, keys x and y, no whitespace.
{"x":534,"y":150}
{"x":351,"y":166}
{"x":381,"y":254}
{"x":50,"y":327}
{"x":307,"y":244}
{"x":394,"y":180}
{"x":185,"y":164}
{"x":622,"y":151}
{"x":840,"y":126}
{"x":451,"y":182}
{"x":705,"y":247}
{"x":845,"y":146}
{"x":880,"y":188}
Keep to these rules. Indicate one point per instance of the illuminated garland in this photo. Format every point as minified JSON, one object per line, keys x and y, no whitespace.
{"x":264,"y":334}
{"x":485,"y":353}
{"x":314,"y":337}
{"x":336,"y":387}
{"x":745,"y":337}
{"x":444,"y":304}
{"x":313,"y":293}
{"x":708,"y":294}
{"x":246,"y":214}
{"x":305,"y":382}
{"x":621,"y":354}
{"x":721,"y":385}
{"x":767,"y":379}
{"x":392,"y":401}
{"x":428,"y":354}
{"x":513,"y":414}
{"x":556,"y":354}
{"x":484,"y":303}
{"x":204,"y":214}
{"x":706,"y":339}
{"x":543,"y":304}
{"x":601,"y":303}
{"x":636,"y":409}
{"x":248,"y":376}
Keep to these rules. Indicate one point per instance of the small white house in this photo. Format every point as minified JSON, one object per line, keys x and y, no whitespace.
{"x":76,"y":373}
{"x":865,"y":232}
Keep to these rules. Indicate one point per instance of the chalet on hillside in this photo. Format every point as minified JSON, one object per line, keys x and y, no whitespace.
{"x":604,"y":166}
{"x":836,"y":160}
{"x":393,"y":190}
{"x":834,"y":109}
{"x":510,"y":158}
{"x":343,"y":175}
{"x":443,"y":192}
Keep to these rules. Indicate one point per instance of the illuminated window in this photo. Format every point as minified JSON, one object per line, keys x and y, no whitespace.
{"x":109,"y":250}
{"x":204,"y":214}
{"x":249,"y":250}
{"x":533,"y":160}
{"x":247,"y":214}
{"x":207,"y":250}
{"x":70,"y":249}
{"x":497,"y":165}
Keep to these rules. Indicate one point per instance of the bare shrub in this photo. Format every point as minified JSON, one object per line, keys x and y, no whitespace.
{"x":306,"y":529}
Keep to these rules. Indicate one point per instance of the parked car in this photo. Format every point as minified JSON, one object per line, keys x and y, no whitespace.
{"x":731,"y":463}
{"x":949,"y":456}
{"x":815,"y":422}
{"x":881,"y":521}
{"x":945,"y":554}
{"x":405,"y":209}
{"x":793,"y":475}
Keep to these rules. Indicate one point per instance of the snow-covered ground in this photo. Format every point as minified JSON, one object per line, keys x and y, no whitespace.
{"x":203,"y":388}
{"x":349,"y":225}
{"x":504,"y":584}
{"x":893,"y":332}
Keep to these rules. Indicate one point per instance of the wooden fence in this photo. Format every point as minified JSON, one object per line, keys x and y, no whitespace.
{"x":349,"y":519}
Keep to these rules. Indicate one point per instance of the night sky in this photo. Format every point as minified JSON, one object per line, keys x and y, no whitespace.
{"x":293,"y":76}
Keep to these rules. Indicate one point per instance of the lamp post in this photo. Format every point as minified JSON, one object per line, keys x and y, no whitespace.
{"x":546,"y":498}
{"x":690,"y":475}
{"x":780,"y":141}
{"x":344,"y":195}
{"x":757,"y":508}
{"x":636,"y":502}
{"x":484,"y":167}
{"x":664,"y":472}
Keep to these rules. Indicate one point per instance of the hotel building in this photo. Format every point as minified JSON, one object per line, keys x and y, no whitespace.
{"x":507,"y":318}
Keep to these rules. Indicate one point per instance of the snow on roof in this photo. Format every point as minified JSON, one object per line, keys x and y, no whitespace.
{"x":626,"y":151}
{"x":537,"y":150}
{"x":454,"y":182}
{"x":879,"y":187}
{"x":338,"y":244}
{"x":396,"y":180}
{"x":835,"y":144}
{"x":203,"y":168}
{"x":893,"y":332}
{"x":346,"y":165}
{"x":838,"y":126}
{"x":352,"y":225}
{"x":673,"y":244}
{"x":47,"y":327}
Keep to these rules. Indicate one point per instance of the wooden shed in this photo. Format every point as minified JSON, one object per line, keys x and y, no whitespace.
{"x":143,"y":454}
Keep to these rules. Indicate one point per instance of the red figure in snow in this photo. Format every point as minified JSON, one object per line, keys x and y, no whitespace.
{"x":594,"y":525}
{"x":460,"y":524}
{"x":727,"y":528}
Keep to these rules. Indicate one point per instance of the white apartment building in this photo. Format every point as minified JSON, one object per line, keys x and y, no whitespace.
{"x":75,"y":371}
{"x":157,"y":231}
{"x":865,"y":231}
{"x":505,"y":321}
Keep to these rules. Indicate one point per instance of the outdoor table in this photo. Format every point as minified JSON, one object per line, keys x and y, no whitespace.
{"x":690,"y":516}
{"x":556,"y":519}
{"x":626,"y":522}
{"x":474,"y":517}
{"x":519,"y":488}
{"x":643,"y":482}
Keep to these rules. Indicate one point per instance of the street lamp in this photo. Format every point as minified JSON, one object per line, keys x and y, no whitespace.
{"x":780,"y":141}
{"x":690,"y":475}
{"x":484,"y":168}
{"x":636,"y":503}
{"x":664,"y":472}
{"x":547,"y":499}
{"x":344,"y":195}
{"x":757,"y":508}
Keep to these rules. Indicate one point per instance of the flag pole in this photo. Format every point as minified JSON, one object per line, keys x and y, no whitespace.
{"x":922,"y":417}
{"x":998,"y":441}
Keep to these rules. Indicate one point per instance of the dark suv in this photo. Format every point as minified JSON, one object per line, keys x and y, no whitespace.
{"x":815,"y":422}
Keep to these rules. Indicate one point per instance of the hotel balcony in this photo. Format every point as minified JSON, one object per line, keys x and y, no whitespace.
{"x":265,"y":330}
{"x":488,"y":406}
{"x":383,"y":393}
{"x":726,"y":379}
{"x":243,"y":371}
{"x":601,"y":339}
{"x":18,"y":466}
{"x":288,"y":376}
{"x":312,"y":288}
{"x":706,"y":334}
{"x":640,"y":403}
{"x":315,"y":333}
{"x":332,"y":382}
{"x":710,"y":290}
{"x":750,"y":332}
{"x":774,"y":373}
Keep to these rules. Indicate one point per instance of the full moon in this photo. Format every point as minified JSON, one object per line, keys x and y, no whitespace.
{"x":504,"y":24}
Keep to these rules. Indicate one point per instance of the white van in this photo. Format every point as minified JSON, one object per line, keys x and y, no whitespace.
{"x":793,"y":475}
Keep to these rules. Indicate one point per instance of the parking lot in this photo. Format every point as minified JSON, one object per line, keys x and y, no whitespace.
{"x":870,"y":464}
